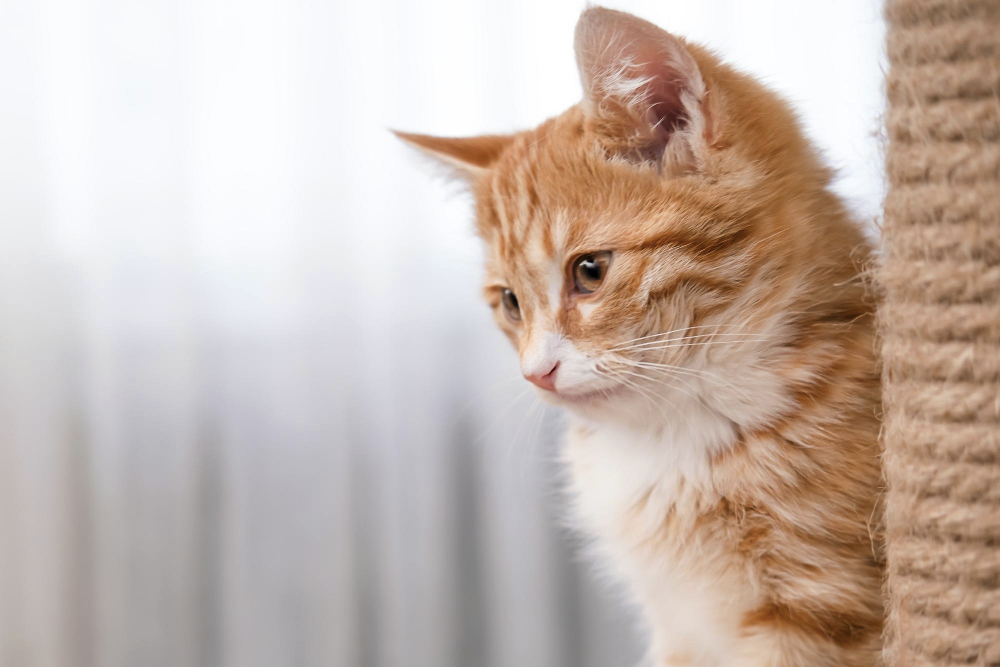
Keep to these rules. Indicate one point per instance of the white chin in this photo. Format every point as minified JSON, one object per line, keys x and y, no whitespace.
{"x":581,"y":397}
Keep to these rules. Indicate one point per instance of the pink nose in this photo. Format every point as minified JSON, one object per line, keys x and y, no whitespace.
{"x":546,"y":380}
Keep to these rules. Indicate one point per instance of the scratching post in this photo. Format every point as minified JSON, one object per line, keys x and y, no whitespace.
{"x":941,"y":333}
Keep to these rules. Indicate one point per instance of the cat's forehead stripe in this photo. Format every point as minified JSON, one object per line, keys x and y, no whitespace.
{"x":527,"y":195}
{"x":537,"y":224}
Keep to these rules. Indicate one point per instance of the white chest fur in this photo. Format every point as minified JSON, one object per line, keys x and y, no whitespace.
{"x":626,"y":483}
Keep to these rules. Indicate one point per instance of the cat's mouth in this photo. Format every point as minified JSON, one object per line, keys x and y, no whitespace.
{"x":588,"y":396}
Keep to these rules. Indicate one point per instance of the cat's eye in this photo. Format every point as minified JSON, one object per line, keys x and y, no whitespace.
{"x":589,"y":271}
{"x":511,"y":306}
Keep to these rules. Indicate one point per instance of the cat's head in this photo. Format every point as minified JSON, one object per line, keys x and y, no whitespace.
{"x":649,"y":241}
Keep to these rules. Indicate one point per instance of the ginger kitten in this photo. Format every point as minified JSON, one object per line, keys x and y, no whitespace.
{"x":669,"y":262}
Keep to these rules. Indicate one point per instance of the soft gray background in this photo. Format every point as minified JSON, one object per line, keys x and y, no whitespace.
{"x":252,"y":411}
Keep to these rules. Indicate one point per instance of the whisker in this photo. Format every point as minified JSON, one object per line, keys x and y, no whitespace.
{"x":503,"y":413}
{"x":669,"y":369}
{"x":644,"y":377}
{"x":513,"y":440}
{"x":659,"y":345}
{"x":695,"y":372}
{"x":673,"y":386}
{"x":668,"y":333}
{"x":644,"y":347}
{"x":686,"y":338}
{"x":616,"y":374}
{"x":534,"y":438}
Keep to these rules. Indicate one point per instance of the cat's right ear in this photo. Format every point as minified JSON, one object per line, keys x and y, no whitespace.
{"x":647,"y":88}
{"x":468,"y":157}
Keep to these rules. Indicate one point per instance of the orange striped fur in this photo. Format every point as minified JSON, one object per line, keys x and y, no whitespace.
{"x":720,"y":380}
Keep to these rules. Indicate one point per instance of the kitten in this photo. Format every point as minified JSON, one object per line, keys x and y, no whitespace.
{"x":673,"y":269}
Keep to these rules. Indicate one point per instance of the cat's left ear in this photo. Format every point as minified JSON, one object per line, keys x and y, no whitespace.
{"x":468,"y":157}
{"x":646,"y":87}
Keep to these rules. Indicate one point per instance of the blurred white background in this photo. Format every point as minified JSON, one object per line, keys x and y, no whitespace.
{"x":252,"y":410}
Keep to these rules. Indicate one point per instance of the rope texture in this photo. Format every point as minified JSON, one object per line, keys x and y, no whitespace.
{"x":940,"y":326}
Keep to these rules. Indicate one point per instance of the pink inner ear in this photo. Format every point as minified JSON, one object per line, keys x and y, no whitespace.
{"x":666,"y":112}
{"x":666,"y":83}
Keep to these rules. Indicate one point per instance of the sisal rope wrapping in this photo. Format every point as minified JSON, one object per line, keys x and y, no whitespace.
{"x":940,"y":326}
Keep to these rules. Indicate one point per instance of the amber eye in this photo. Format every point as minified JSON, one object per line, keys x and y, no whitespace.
{"x":510,"y":306}
{"x":589,"y":271}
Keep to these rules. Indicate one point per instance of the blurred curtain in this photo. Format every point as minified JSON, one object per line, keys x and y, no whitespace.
{"x":252,"y":410}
